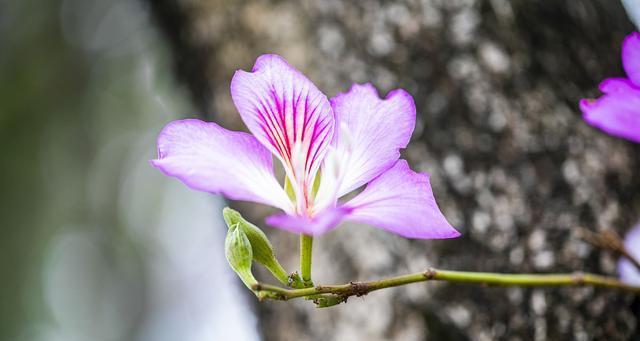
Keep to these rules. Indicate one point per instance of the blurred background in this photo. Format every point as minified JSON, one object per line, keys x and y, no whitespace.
{"x":98,"y":245}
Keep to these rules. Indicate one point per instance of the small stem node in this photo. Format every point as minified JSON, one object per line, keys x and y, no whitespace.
{"x":430,"y":274}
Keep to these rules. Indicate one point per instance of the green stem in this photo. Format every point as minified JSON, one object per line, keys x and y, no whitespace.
{"x":306,"y":247}
{"x":484,"y":278}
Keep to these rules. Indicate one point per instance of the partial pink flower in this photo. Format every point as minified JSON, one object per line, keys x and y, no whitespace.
{"x":328,"y":148}
{"x":627,"y":270}
{"x":617,"y":112}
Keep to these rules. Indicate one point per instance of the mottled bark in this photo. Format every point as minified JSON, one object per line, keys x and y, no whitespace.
{"x":496,"y":85}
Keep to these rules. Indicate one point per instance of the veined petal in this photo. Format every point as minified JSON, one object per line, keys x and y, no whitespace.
{"x":628,"y":272}
{"x":317,"y":225}
{"x":617,"y":112}
{"x":374,"y":130}
{"x":401,"y":201}
{"x":286,"y":113}
{"x":209,"y":158}
{"x":631,"y":57}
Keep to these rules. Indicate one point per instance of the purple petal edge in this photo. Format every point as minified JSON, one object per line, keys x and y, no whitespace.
{"x":631,"y":57}
{"x":617,"y":112}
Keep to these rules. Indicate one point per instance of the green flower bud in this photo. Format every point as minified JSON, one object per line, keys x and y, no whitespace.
{"x":239,"y":255}
{"x":263,"y":252}
{"x":262,"y":249}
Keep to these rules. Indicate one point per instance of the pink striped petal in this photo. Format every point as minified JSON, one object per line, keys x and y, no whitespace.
{"x":286,"y":113}
{"x":631,"y":57}
{"x":401,"y":201}
{"x":628,"y":272}
{"x":617,"y":112}
{"x":209,"y":158}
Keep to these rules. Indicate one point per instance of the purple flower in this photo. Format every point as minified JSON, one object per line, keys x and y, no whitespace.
{"x":617,"y":112}
{"x":328,"y":148}
{"x":627,"y":270}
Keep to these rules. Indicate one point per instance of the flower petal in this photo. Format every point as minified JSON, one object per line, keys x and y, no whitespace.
{"x":617,"y":112}
{"x":209,"y":158}
{"x":377,"y":129}
{"x":628,"y":272}
{"x":286,"y":113}
{"x":631,"y":57}
{"x":319,"y":224}
{"x":401,"y":201}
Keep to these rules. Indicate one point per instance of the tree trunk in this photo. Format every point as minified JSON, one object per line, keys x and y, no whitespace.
{"x":514,"y":167}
